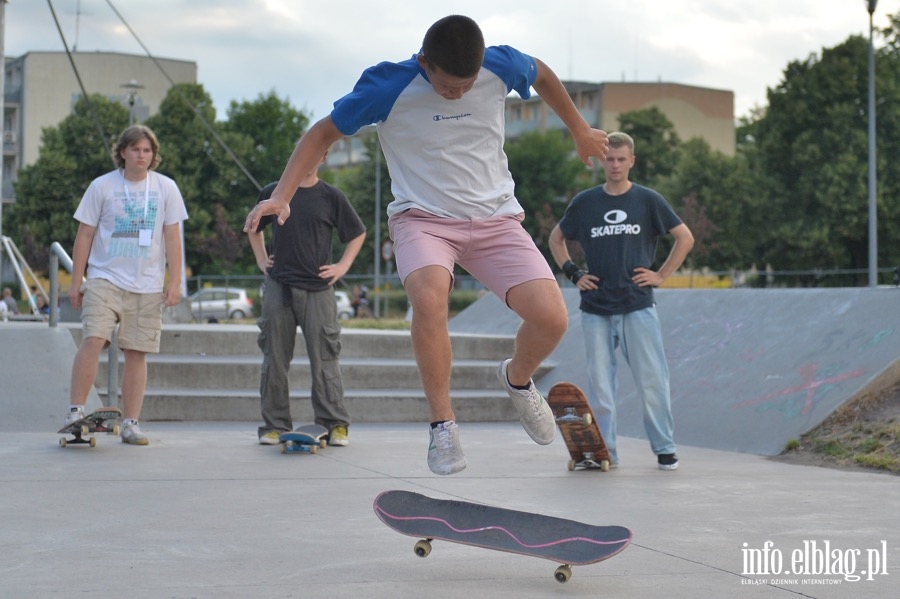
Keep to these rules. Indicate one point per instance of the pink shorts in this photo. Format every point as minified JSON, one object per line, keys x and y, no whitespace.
{"x":497,"y":251}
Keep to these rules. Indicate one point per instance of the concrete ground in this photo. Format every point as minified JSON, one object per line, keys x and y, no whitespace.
{"x":204,"y":511}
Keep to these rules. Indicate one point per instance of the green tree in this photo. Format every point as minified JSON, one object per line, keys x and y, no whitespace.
{"x":656,"y":144}
{"x":810,"y":157}
{"x":547,"y":174}
{"x":358,"y":183}
{"x":217,"y":193}
{"x":71,"y":155}
{"x":274,"y":126}
{"x":713,"y":195}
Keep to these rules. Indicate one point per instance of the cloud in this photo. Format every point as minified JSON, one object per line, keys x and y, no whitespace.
{"x":313,"y":52}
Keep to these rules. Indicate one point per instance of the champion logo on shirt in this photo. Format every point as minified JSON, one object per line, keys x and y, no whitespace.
{"x":454,"y":117}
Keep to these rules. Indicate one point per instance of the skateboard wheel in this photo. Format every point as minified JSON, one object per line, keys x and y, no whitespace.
{"x":284,"y":448}
{"x":604,"y":465}
{"x":93,"y":442}
{"x":85,"y":431}
{"x":571,"y":465}
{"x":563,"y":574}
{"x":62,"y":442}
{"x":422,"y":548}
{"x":313,"y":449}
{"x":115,"y":430}
{"x":588,"y":419}
{"x":323,"y":443}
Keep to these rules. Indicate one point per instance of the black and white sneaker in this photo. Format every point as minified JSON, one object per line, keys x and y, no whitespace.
{"x":667,"y":461}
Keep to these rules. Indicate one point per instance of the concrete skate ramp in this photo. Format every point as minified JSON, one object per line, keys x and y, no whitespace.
{"x":35,"y":370}
{"x":750,"y":369}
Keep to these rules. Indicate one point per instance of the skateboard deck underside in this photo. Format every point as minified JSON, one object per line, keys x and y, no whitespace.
{"x":583,"y":440}
{"x":556,"y":539}
{"x":94,"y":421}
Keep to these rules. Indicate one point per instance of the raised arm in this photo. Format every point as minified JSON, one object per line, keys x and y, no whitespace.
{"x":305,"y":157}
{"x":589,"y":142}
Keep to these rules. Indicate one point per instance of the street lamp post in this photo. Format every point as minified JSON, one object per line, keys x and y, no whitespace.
{"x":132,"y":87}
{"x":873,"y":213}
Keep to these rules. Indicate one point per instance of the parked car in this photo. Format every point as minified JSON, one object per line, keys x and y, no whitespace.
{"x":342,"y":299}
{"x":221,"y":302}
{"x":344,"y":307}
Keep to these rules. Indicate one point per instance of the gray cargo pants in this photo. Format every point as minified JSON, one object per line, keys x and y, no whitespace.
{"x":284,"y":309}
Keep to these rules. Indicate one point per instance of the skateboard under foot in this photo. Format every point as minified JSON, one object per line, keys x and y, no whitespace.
{"x":102,"y":420}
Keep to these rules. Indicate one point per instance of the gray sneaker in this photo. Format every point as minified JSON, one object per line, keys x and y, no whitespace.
{"x":131,"y":434}
{"x":445,"y":456}
{"x":534,"y":413}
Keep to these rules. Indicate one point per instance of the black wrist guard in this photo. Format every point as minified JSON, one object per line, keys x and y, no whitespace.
{"x":572,"y":272}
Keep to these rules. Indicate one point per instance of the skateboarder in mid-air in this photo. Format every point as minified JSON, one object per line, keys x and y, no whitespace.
{"x":440,"y":118}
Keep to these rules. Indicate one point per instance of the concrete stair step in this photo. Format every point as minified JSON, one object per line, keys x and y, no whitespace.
{"x":211,"y":372}
{"x":365,"y":405}
{"x":240,"y":372}
{"x":223,"y":340}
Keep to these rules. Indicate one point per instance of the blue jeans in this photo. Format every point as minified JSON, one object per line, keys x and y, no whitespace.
{"x":639,"y":337}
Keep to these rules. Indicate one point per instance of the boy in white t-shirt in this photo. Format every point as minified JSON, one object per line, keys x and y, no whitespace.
{"x":129,"y":229}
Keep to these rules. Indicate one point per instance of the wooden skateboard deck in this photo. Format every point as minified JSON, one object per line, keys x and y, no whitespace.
{"x":565,"y":542}
{"x":578,"y":427}
{"x":308,"y":439}
{"x":97,"y":421}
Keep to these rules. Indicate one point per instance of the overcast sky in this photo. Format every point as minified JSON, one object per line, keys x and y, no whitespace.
{"x":313,"y":52}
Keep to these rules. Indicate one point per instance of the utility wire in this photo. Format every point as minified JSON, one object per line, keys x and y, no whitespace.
{"x":196,"y":110}
{"x":84,"y":93}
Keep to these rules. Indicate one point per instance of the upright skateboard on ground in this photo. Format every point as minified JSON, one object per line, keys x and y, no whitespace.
{"x":308,"y":439}
{"x":578,"y":427}
{"x":103,"y":420}
{"x":565,"y":542}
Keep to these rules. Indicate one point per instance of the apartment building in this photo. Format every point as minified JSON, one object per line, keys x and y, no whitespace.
{"x":41,"y":89}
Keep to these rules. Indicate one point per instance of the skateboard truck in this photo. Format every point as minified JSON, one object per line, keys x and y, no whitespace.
{"x":95,"y":422}
{"x":563,"y":573}
{"x":572,"y":416}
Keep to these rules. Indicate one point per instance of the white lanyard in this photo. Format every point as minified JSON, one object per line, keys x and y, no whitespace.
{"x":146,"y":191}
{"x":145,"y":234}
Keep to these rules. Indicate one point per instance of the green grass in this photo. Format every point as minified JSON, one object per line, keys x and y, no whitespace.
{"x":873,"y":445}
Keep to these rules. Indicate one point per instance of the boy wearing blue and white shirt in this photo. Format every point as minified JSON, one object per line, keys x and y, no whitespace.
{"x":129,"y":229}
{"x":440,"y":121}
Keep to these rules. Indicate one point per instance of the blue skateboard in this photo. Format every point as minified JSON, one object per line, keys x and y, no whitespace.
{"x":308,"y":439}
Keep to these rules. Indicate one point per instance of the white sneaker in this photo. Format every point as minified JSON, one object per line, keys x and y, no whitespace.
{"x":445,"y":455}
{"x":131,"y":434}
{"x":73,"y":415}
{"x":534,"y":413}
